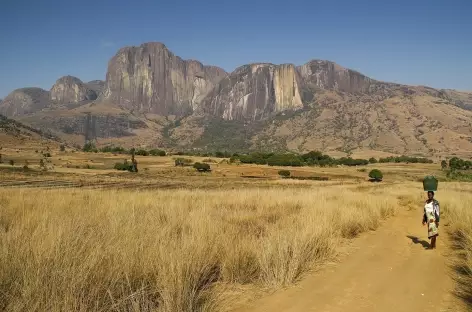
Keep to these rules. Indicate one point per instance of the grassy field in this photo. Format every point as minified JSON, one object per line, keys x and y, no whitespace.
{"x":173,"y":250}
{"x":457,"y":203}
{"x":195,"y":242}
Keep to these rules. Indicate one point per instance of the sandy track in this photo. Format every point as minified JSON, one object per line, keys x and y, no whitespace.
{"x":386,"y":270}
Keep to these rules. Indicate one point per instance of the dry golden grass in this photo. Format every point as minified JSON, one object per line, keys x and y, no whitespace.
{"x":456,"y":206}
{"x":177,"y":250}
{"x":227,"y":240}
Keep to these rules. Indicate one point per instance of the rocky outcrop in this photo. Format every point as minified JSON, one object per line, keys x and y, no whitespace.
{"x":97,"y":86}
{"x":460,"y":99}
{"x":71,"y":90}
{"x":24,"y":101}
{"x":330,"y":76}
{"x":256,"y":91}
{"x":151,"y":79}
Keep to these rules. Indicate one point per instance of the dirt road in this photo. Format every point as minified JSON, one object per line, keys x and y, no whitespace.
{"x":386,"y":270}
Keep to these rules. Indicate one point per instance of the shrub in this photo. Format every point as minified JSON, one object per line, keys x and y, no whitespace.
{"x":1,"y":160}
{"x":12,"y":162}
{"x":352,"y":162}
{"x":459,"y":176}
{"x":142,"y":152}
{"x":183,"y":162}
{"x":373,"y":160}
{"x":157,"y":152}
{"x":405,"y":159}
{"x":456,"y":163}
{"x":125,"y":166}
{"x":234,"y":158}
{"x":113,"y":149}
{"x":47,"y":154}
{"x":284,"y":173}
{"x":62,"y":148}
{"x":202,"y":167}
{"x":376,"y":175}
{"x":443,"y":164}
{"x":90,"y":148}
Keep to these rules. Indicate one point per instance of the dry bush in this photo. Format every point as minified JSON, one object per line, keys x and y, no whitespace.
{"x":456,"y":202}
{"x":176,"y":250}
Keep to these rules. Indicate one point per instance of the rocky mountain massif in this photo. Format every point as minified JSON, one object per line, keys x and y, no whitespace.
{"x":152,"y":97}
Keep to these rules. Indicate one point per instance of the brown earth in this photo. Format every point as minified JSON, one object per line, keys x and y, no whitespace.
{"x":385,"y":270}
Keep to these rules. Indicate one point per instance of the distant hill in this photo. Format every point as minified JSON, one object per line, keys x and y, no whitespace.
{"x":16,"y":134}
{"x":153,"y":98}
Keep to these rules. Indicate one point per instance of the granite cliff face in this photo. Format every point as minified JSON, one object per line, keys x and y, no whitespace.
{"x":258,"y":91}
{"x":24,"y":101}
{"x":330,"y":76}
{"x":255,"y":92}
{"x":71,"y":90}
{"x":152,"y":97}
{"x":151,"y":79}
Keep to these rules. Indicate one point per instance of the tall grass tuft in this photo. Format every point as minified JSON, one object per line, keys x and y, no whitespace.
{"x":456,"y":204}
{"x":178,"y":250}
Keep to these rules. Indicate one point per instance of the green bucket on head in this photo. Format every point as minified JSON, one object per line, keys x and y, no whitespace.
{"x":430,"y":183}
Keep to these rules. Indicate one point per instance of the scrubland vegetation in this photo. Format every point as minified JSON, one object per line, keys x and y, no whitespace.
{"x":456,"y":207}
{"x":203,"y":249}
{"x":169,"y":250}
{"x":313,"y":158}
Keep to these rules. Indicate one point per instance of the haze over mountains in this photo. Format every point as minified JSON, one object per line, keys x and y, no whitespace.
{"x":152,"y":97}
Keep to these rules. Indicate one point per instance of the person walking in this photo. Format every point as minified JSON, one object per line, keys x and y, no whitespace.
{"x":431,"y":218}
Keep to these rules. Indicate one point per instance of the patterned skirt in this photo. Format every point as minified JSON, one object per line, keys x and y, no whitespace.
{"x":432,"y":228}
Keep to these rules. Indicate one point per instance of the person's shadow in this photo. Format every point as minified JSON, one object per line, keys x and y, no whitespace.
{"x":416,"y":240}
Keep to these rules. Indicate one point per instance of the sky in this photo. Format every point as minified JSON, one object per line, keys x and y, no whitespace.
{"x":420,"y":42}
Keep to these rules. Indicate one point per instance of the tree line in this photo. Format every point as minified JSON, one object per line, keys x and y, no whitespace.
{"x":457,"y":163}
{"x":317,"y":158}
{"x":90,"y":148}
{"x":405,"y":159}
{"x":313,"y":158}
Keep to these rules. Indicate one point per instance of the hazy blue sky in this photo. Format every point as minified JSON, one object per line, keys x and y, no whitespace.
{"x":426,"y":42}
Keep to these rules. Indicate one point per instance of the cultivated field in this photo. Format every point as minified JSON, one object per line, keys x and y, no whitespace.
{"x":172,"y":239}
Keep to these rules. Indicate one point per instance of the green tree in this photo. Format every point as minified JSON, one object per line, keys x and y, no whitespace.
{"x":372,"y":160}
{"x":376,"y":175}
